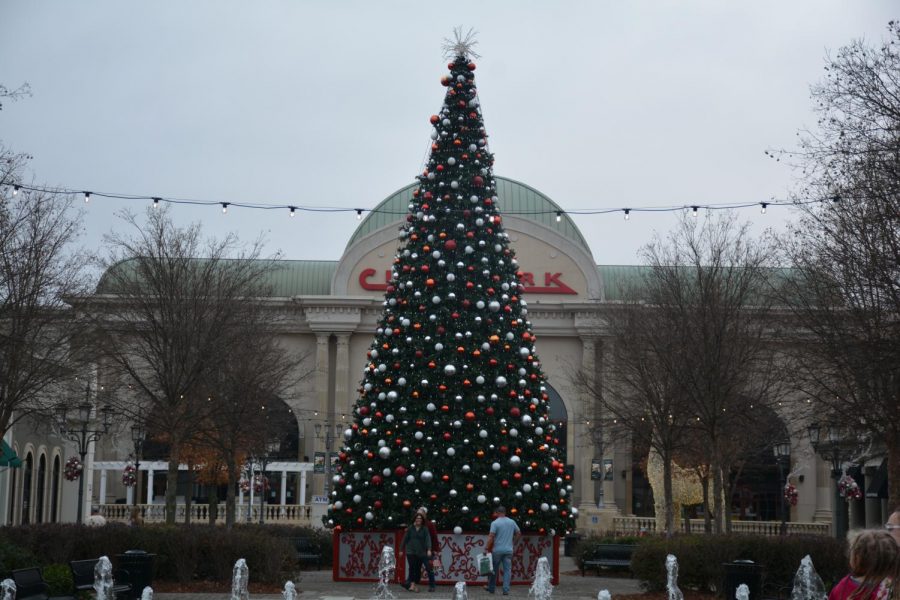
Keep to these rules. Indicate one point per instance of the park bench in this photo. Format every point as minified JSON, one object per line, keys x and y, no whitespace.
{"x":608,"y":555}
{"x":83,"y":577}
{"x":306,"y":551}
{"x":30,"y":585}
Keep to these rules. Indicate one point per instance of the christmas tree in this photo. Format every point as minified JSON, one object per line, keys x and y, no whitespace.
{"x":452,"y":412}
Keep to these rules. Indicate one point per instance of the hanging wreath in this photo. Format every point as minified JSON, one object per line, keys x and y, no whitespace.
{"x":790,"y":494}
{"x":129,"y":476}
{"x":260,"y":484}
{"x":73,"y":469}
{"x":848,"y":488}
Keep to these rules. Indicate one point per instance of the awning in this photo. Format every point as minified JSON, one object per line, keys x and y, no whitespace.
{"x":8,"y":456}
{"x":877,"y":487}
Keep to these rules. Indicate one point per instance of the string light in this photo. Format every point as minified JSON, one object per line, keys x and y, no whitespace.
{"x":359,"y":211}
{"x":293,"y":208}
{"x":156,"y":202}
{"x":762,"y":211}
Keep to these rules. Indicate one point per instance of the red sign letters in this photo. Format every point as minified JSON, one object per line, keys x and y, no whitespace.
{"x":553,"y":283}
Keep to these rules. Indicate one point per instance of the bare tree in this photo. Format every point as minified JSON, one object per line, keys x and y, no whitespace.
{"x":692,"y":351}
{"x":40,"y":267}
{"x":165,"y":312}
{"x":845,"y":249}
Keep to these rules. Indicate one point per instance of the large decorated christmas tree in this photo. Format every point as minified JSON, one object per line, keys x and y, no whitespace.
{"x":452,"y":412}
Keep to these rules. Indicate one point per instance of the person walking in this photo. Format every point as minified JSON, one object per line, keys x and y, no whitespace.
{"x":501,"y":541}
{"x":416,"y":544}
{"x":431,"y":563}
{"x":874,"y":566}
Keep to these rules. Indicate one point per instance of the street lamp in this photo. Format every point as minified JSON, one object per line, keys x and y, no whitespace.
{"x":834,"y":446}
{"x":329,"y":443}
{"x":272,"y":448}
{"x":81,"y":430}
{"x":782,"y":452}
{"x":137,"y":437}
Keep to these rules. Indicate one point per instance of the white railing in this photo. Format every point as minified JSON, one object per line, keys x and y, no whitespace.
{"x":290,"y":514}
{"x":644,"y":525}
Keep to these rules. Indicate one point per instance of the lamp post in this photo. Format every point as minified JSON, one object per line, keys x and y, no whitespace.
{"x":831,"y":443}
{"x":272,"y":448}
{"x":329,"y":443}
{"x":137,"y":437}
{"x":782,"y":452}
{"x":81,"y":430}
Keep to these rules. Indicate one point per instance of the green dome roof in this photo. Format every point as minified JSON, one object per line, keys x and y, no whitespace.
{"x":516,"y":200}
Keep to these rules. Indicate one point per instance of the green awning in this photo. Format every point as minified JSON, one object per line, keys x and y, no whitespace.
{"x":8,"y":456}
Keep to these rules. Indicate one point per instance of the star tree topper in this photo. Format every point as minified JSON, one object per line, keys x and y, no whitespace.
{"x":461,"y":44}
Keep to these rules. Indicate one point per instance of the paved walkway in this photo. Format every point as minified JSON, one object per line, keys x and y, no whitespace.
{"x":317,"y":585}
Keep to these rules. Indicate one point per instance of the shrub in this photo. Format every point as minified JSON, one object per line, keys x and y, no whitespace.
{"x":14,"y":556}
{"x":59,"y":578}
{"x":700,"y":559}
{"x":183,"y":552}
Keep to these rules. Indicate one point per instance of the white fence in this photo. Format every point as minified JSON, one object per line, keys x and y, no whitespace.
{"x":643,"y":525}
{"x":290,"y":514}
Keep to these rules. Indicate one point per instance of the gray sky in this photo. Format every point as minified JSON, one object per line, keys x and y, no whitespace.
{"x":596,"y":104}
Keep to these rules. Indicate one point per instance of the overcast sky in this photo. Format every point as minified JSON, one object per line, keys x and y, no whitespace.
{"x":596,"y":104}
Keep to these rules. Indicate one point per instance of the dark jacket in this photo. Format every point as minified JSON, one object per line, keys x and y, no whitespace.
{"x":416,"y":542}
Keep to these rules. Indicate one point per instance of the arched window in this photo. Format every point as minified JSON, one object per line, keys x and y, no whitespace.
{"x":560,"y":416}
{"x":39,"y":495}
{"x":27,"y":478}
{"x":13,"y":479}
{"x":55,"y":480}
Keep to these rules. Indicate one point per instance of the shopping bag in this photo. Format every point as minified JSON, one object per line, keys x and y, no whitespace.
{"x":485,"y":564}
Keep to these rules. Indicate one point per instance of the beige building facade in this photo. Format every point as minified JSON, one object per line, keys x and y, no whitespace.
{"x":328,"y":311}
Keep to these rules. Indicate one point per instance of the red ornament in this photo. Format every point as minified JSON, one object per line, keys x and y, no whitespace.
{"x":434,"y":119}
{"x":478,"y":180}
{"x":471,"y":66}
{"x":450,"y":245}
{"x":400,"y":471}
{"x":470,"y":416}
{"x":515,"y":412}
{"x":377,"y":504}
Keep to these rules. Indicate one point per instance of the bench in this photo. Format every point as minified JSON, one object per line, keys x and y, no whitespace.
{"x":306,"y":551}
{"x":608,"y":555}
{"x":83,"y":577}
{"x":30,"y":585}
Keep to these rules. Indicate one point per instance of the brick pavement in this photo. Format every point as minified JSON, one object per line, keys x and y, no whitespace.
{"x":317,"y":585}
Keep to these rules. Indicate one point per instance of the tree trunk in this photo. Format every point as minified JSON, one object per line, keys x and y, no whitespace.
{"x":707,"y":512}
{"x":213,"y":500}
{"x":188,"y":499}
{"x":717,"y":494}
{"x":667,"y":496}
{"x":171,"y":485}
{"x":230,"y":496}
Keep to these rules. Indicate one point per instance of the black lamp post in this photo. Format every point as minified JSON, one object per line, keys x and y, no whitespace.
{"x":832,"y":444}
{"x":329,"y":444}
{"x":272,"y":448}
{"x":81,"y":430}
{"x":137,"y":436}
{"x":782,"y":452}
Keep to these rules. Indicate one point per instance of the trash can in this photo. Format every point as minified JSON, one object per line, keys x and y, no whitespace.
{"x":138,"y":566}
{"x":570,"y":542}
{"x":742,"y":571}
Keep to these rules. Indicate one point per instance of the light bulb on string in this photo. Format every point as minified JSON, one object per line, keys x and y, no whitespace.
{"x":87,"y":197}
{"x":359,"y":214}
{"x":15,"y":190}
{"x":763,"y":209}
{"x":293,"y":208}
{"x":694,"y":209}
{"x":627,"y":213}
{"x":156,"y":202}
{"x":224,"y":207}
{"x":558,"y":216}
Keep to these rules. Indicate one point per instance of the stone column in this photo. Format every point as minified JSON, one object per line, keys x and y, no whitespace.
{"x":609,"y":450}
{"x":322,"y":370}
{"x":283,"y":488}
{"x":302,"y":496}
{"x":101,"y":498}
{"x":342,"y":397}
{"x":584,"y":421}
{"x":150,"y":473}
